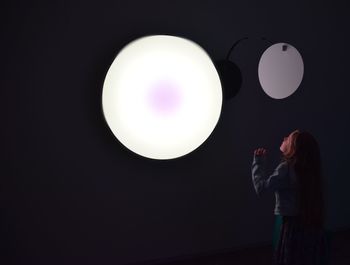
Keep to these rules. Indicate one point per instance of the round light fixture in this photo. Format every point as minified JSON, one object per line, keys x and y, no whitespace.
{"x":162,"y":96}
{"x":280,"y":70}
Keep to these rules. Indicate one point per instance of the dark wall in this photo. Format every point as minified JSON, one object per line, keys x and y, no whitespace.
{"x":71,"y":194}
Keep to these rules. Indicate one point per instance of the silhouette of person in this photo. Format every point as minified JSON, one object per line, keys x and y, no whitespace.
{"x":298,"y":186}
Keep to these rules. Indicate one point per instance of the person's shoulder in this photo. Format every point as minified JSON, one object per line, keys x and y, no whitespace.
{"x":284,"y":165}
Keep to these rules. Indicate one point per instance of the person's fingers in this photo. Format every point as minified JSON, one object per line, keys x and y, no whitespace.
{"x":260,"y":151}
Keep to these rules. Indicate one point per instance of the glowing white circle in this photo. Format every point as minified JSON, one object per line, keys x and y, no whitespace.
{"x":280,"y":70}
{"x":162,"y":96}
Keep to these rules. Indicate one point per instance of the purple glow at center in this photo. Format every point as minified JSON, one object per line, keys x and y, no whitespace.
{"x":164,"y":97}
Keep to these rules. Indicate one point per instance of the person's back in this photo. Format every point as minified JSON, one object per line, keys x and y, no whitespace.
{"x":286,"y":199}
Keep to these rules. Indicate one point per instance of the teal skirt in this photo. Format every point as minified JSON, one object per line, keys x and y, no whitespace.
{"x":276,"y":231}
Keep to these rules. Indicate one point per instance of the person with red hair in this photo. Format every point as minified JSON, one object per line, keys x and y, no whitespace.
{"x":298,"y":186}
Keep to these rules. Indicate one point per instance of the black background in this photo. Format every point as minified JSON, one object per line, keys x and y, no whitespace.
{"x":71,"y":194}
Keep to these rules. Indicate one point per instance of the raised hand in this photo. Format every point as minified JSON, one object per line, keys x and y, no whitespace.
{"x":260,"y":152}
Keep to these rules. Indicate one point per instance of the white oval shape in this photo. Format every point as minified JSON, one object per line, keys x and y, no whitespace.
{"x":162,"y":96}
{"x":280,"y":70}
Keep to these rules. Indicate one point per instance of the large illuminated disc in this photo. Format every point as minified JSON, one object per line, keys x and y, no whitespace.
{"x":162,"y":96}
{"x":280,"y":70}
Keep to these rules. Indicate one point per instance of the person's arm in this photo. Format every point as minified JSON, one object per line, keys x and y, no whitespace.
{"x":277,"y":180}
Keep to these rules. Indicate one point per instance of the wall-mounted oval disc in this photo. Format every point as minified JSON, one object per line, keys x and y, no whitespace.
{"x":280,"y":70}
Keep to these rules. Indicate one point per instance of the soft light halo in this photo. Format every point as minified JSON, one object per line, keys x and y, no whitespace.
{"x":162,"y":96}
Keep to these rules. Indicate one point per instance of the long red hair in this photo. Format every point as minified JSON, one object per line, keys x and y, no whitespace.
{"x":304,"y":156}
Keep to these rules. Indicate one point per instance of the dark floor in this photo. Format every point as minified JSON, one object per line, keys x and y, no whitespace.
{"x":340,"y":248}
{"x":339,"y":254}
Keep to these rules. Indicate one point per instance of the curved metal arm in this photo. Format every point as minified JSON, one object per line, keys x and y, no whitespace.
{"x":236,"y":43}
